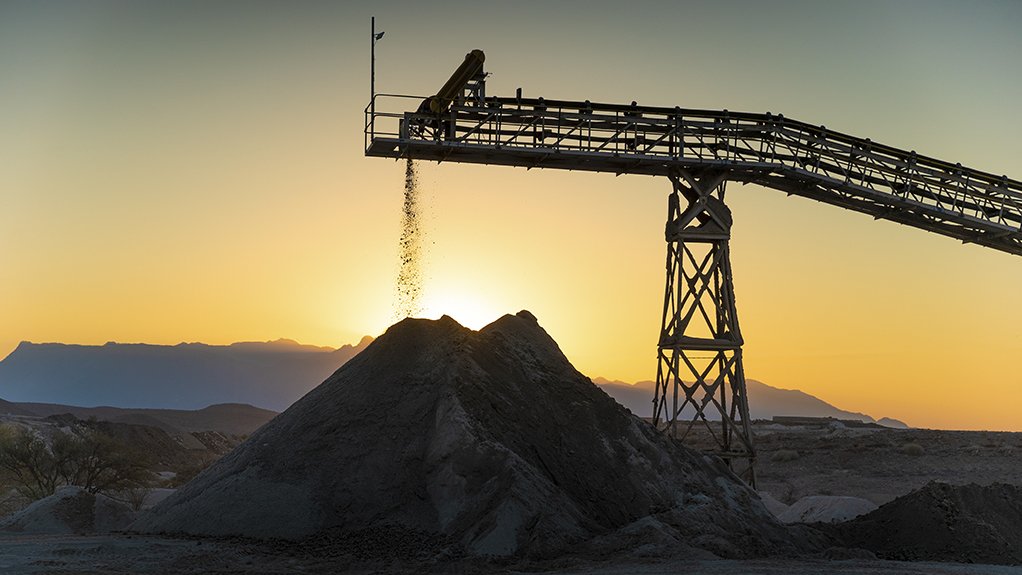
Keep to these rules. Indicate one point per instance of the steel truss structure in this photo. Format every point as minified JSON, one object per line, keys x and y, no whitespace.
{"x":771,"y":150}
{"x":700,"y":376}
{"x":700,"y":365}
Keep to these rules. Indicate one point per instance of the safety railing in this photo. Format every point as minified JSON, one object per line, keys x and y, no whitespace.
{"x":384,"y":115}
{"x":764,"y":148}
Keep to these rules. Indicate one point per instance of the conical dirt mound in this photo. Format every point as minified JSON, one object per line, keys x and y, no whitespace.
{"x":942,"y":522}
{"x":490,"y":440}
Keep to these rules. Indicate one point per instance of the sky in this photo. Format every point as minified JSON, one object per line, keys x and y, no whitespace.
{"x":194,"y":171}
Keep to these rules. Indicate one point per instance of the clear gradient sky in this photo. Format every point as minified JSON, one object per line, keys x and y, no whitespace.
{"x":193,"y":171}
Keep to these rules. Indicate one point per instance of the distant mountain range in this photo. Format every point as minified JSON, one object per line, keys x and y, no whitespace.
{"x":47,"y":379}
{"x":764,"y":402}
{"x":270,"y":375}
{"x":8,"y":408}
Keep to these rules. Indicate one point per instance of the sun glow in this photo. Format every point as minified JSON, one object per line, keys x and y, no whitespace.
{"x":469,"y":309}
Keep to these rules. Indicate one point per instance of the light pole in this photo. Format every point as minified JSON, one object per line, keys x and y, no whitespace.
{"x":372,"y":75}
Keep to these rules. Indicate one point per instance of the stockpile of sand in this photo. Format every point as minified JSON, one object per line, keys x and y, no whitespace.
{"x":942,"y":522}
{"x":825,"y":509}
{"x":489,"y":441}
{"x":70,"y":510}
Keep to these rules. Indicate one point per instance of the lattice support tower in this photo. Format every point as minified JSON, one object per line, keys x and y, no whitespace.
{"x":700,"y":381}
{"x":700,"y":378}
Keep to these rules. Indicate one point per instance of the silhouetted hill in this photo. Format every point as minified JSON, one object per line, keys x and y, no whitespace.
{"x":8,"y":408}
{"x":228,"y":418}
{"x":892,"y":423}
{"x":764,"y":401}
{"x":270,"y":375}
{"x":166,"y":450}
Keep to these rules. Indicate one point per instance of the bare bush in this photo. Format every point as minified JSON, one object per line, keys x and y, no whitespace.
{"x":91,"y":460}
{"x":133,"y":497}
{"x":27,"y":459}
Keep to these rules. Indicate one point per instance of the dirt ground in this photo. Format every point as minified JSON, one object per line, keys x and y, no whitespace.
{"x":879,"y":464}
{"x":122,"y":554}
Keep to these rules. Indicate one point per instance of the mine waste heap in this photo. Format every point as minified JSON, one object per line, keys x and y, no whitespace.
{"x":485,"y":443}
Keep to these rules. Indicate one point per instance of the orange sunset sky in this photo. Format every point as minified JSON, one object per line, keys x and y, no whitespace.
{"x":194,"y":171}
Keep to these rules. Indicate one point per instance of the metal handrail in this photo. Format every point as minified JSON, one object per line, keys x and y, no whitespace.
{"x":768,"y":149}
{"x":371,"y":113}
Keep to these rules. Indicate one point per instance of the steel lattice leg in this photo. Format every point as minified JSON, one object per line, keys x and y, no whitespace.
{"x":700,"y":377}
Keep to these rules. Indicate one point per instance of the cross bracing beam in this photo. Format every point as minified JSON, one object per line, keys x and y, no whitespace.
{"x":766,"y":149}
{"x":700,"y":382}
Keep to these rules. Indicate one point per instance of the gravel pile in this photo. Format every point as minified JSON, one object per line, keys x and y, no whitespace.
{"x":942,"y":522}
{"x":70,"y":510}
{"x":826,"y":509}
{"x":484,"y":443}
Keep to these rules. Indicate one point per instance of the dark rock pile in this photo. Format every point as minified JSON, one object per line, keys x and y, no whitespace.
{"x":490,"y":442}
{"x":942,"y":522}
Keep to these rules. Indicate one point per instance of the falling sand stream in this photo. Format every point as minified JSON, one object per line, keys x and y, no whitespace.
{"x":409,"y":277}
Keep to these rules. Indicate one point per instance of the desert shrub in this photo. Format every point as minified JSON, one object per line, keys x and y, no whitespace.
{"x":133,"y":497}
{"x":27,"y":460}
{"x":99,"y":463}
{"x":91,"y":460}
{"x":784,"y":455}
{"x":186,"y":473}
{"x":913,"y":449}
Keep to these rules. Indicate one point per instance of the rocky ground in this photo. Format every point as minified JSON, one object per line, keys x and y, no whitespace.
{"x":879,"y":464}
{"x":121,"y":554}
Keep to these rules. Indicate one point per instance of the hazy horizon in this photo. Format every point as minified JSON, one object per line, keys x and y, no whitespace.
{"x":597,"y":379}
